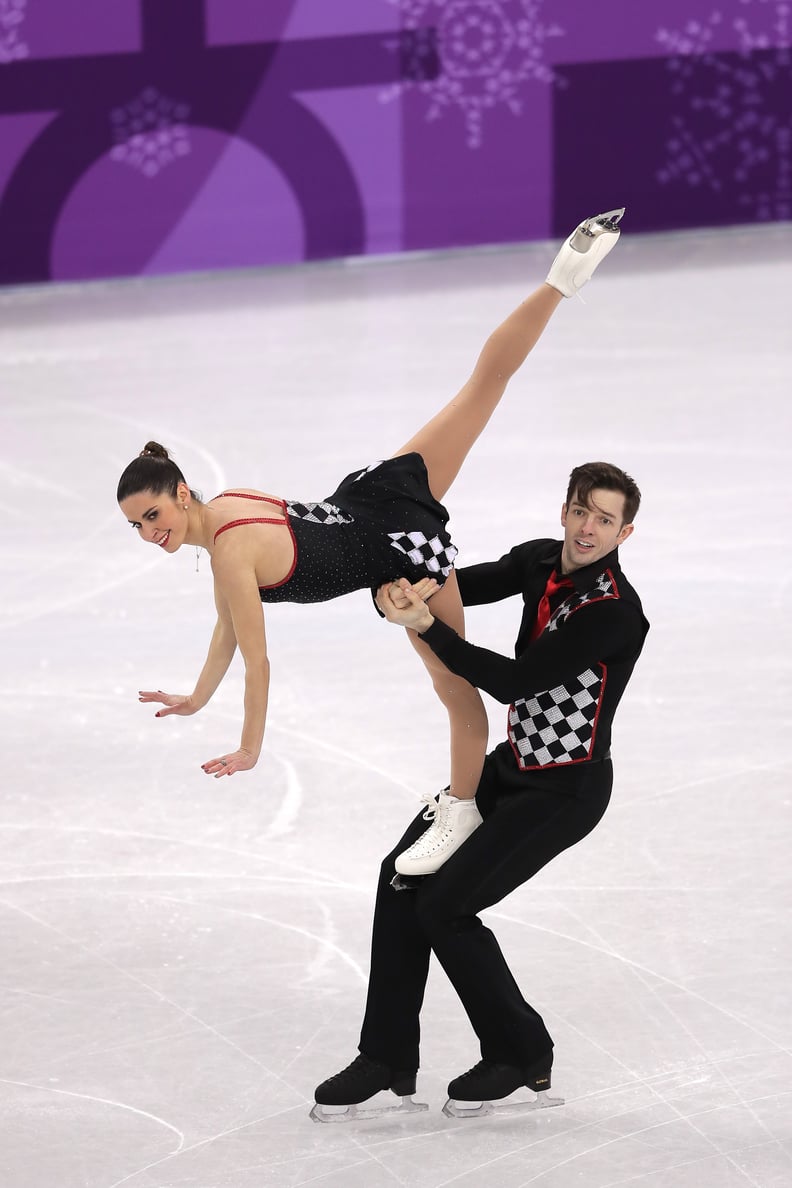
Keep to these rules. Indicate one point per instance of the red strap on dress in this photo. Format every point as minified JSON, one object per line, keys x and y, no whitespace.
{"x":543,"y":610}
{"x":253,"y":519}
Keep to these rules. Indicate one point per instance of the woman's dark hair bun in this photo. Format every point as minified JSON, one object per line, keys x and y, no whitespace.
{"x":152,"y":470}
{"x":153,"y":449}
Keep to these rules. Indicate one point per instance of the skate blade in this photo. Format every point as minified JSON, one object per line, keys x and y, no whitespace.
{"x":480,"y":1109}
{"x":353,"y":1113}
{"x":609,"y":218}
{"x":591,"y":229}
{"x":406,"y":882}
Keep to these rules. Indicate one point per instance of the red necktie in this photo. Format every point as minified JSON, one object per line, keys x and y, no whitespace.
{"x":543,"y":611}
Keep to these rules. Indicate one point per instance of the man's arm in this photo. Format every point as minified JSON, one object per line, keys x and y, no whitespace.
{"x":492,"y":581}
{"x":602,"y":632}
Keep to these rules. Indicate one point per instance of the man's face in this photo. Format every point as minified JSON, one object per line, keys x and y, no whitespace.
{"x":592,"y":530}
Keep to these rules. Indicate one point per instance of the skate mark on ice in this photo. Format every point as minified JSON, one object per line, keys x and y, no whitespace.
{"x":693,"y":1039}
{"x":135,"y":980}
{"x":245,"y":914}
{"x":290,"y":804}
{"x":181,"y":444}
{"x":214,"y":1138}
{"x":597,"y":1147}
{"x":627,"y":961}
{"x":118,"y":1105}
{"x":309,"y":877}
{"x":728,"y":774}
{"x":352,"y":757}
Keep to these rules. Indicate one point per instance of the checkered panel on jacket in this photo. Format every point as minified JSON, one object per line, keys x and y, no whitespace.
{"x":557,"y":725}
{"x":604,"y":587}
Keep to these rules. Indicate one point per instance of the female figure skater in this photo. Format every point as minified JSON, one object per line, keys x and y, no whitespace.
{"x":381,"y":523}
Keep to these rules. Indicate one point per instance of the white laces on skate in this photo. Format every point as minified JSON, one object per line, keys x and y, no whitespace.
{"x":452,"y":820}
{"x":437,"y":835}
{"x":430,"y":811}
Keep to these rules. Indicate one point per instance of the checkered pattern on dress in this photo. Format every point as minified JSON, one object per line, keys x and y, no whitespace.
{"x":558,"y":725}
{"x":431,"y":554}
{"x":319,"y":513}
{"x":604,"y":587}
{"x":368,"y":470}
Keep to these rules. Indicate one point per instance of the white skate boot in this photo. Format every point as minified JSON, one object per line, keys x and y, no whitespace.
{"x":454,"y":821}
{"x":586,"y":247}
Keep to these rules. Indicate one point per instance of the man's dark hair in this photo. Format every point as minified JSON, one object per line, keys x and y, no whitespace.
{"x":591,"y":475}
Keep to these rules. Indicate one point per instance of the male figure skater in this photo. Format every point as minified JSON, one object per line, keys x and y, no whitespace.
{"x":542,"y":789}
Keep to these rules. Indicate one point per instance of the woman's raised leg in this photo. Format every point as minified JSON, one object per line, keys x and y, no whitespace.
{"x":467,"y":717}
{"x":445,"y":440}
{"x":443,"y":444}
{"x":456,"y":813}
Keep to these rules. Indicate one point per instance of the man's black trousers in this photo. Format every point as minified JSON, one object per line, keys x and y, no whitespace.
{"x":521,"y":831}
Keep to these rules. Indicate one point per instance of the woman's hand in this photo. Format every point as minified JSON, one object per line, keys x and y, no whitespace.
{"x":240,"y":760}
{"x":413,"y":613}
{"x":424,"y":589}
{"x":175,"y":703}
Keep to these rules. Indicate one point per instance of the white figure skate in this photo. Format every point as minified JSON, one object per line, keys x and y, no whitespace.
{"x":586,"y":247}
{"x":454,"y":821}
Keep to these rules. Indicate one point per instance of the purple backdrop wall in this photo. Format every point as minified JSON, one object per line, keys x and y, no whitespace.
{"x":149,"y":136}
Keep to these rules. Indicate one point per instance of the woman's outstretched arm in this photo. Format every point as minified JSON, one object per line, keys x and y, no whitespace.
{"x":238,"y":592}
{"x":221,"y":652}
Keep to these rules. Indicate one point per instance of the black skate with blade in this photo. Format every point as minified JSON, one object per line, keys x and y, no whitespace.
{"x":338,"y":1098}
{"x":480,"y":1090}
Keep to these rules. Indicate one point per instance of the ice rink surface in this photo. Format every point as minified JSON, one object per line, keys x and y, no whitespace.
{"x":184,"y":959}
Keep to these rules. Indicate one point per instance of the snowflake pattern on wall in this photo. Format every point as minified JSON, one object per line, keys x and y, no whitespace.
{"x":150,"y":132}
{"x":488,"y":50}
{"x":12,"y":16}
{"x":735,"y":123}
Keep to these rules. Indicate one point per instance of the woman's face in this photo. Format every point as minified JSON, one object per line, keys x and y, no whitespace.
{"x":160,"y":519}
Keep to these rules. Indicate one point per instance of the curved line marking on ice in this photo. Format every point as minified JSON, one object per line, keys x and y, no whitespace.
{"x":119,"y":1105}
{"x":143,"y":567}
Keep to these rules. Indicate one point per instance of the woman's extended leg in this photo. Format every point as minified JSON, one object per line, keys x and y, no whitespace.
{"x":444,"y":444}
{"x":456,"y":813}
{"x":467,"y":717}
{"x":445,"y":441}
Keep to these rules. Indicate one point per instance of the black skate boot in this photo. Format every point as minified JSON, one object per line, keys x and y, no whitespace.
{"x":480,"y":1090}
{"x":338,"y":1098}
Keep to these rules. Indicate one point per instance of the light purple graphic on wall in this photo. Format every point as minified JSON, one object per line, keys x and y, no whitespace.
{"x":150,"y":132}
{"x":163,"y":135}
{"x":489,"y":50}
{"x":731,"y":115}
{"x":12,"y":16}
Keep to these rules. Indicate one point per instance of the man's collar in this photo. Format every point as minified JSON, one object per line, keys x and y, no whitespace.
{"x":583,"y":579}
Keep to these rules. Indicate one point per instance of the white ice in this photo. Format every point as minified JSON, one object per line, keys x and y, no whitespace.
{"x":184,"y":959}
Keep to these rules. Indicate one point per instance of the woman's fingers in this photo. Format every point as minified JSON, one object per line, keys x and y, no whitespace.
{"x":228,"y":764}
{"x":425,"y":588}
{"x":410,"y":593}
{"x":219,"y":767}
